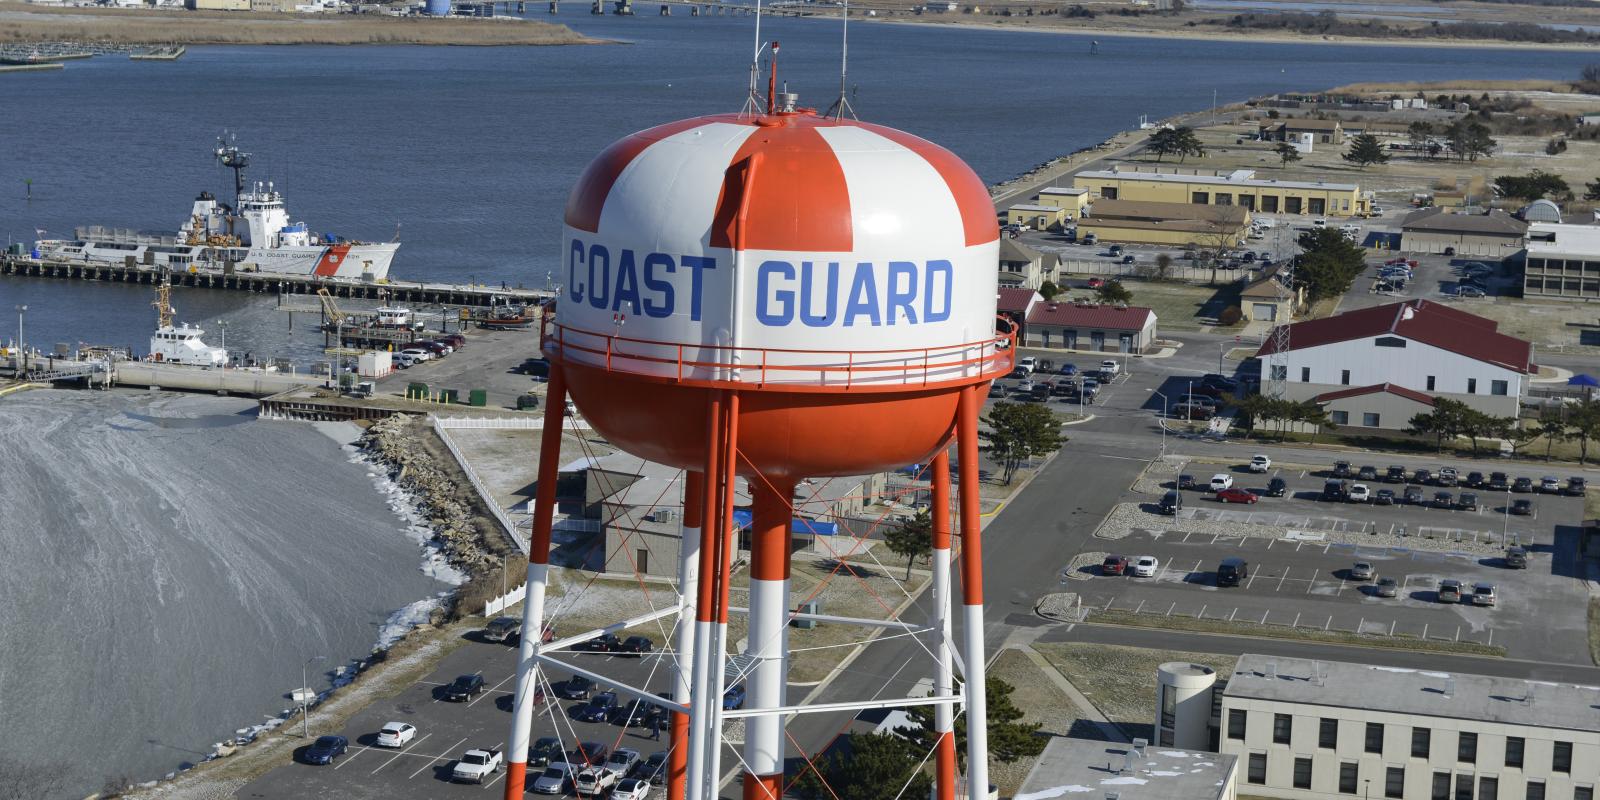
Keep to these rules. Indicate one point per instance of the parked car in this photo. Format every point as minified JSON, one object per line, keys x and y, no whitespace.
{"x":1444,"y":500}
{"x":1413,"y":496}
{"x":648,"y":769}
{"x":588,"y":754}
{"x":621,"y":761}
{"x":1069,"y":369}
{"x":542,"y":750}
{"x":1114,"y":565}
{"x":576,"y":687}
{"x":1522,"y":507}
{"x":1395,"y":475}
{"x":1171,"y":503}
{"x":1367,"y":473}
{"x":997,"y":389}
{"x":1232,"y":571}
{"x":1449,"y":591}
{"x":326,"y":748}
{"x":1448,"y":476}
{"x":636,"y":646}
{"x":1516,"y":557}
{"x":1110,"y":367}
{"x":1341,"y":469}
{"x":1236,"y":495}
{"x":1221,"y":481}
{"x":1483,"y":594}
{"x":503,"y":629}
{"x":1522,"y":485}
{"x":1363,"y":571}
{"x":476,"y":765}
{"x":1387,"y":587}
{"x":1474,"y":480}
{"x":733,"y":697}
{"x":1550,"y":484}
{"x":1422,"y":477}
{"x":1384,"y":497}
{"x":1576,"y":486}
{"x":417,"y":354}
{"x":1193,"y":412}
{"x":1115,"y":250}
{"x":1145,"y":567}
{"x":597,"y":709}
{"x":631,"y":789}
{"x":1359,"y":493}
{"x":638,"y":714}
{"x":1028,"y":363}
{"x":395,"y":734}
{"x":1498,"y":481}
{"x":464,"y":688}
{"x":556,"y":779}
{"x":1096,"y":283}
{"x":1277,"y":487}
{"x":604,"y":643}
{"x":1025,"y":387}
{"x":1469,"y":291}
{"x":1187,"y":482}
{"x":1128,"y":259}
{"x":1467,"y":501}
{"x":593,"y":782}
{"x":1260,"y":463}
{"x":1335,"y":490}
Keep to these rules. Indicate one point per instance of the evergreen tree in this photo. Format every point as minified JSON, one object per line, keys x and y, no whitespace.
{"x":869,"y":766}
{"x":1365,"y":150}
{"x":913,"y":540}
{"x":1114,"y":292}
{"x":1286,"y":153}
{"x":1592,"y":190}
{"x":1019,"y":431}
{"x":1010,"y":739}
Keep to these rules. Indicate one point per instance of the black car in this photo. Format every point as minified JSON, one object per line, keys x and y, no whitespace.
{"x":1277,"y":487}
{"x":1468,"y":501}
{"x":1522,"y":507}
{"x":1522,"y":485}
{"x":576,"y":687}
{"x":636,"y":646}
{"x":598,"y":708}
{"x":1576,"y":486}
{"x":464,"y":688}
{"x":1395,"y":475}
{"x":1474,"y":480}
{"x":1413,"y":496}
{"x":541,"y":751}
{"x":588,"y":754}
{"x":1367,"y":473}
{"x":604,"y":643}
{"x":1422,"y":477}
{"x":1498,"y":481}
{"x":1341,"y":469}
{"x":641,"y":714}
{"x":1187,"y":482}
{"x":649,"y":768}
{"x":1336,"y":490}
{"x":326,"y":748}
{"x":1443,"y":500}
{"x":1384,"y":497}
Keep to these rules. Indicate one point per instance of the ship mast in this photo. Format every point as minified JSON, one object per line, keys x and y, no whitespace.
{"x":229,"y":154}
{"x":163,"y":303}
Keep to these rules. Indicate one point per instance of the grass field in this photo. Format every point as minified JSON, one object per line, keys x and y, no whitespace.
{"x":1186,"y":306}
{"x":1121,"y":681}
{"x":1398,"y":642}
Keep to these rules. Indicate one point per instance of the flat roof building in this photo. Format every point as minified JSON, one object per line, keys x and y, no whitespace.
{"x":1495,"y":235}
{"x":1562,"y":261}
{"x":1316,"y":730}
{"x":1094,"y":770}
{"x":1238,"y":187}
{"x":1037,"y":216}
{"x":1150,"y":222}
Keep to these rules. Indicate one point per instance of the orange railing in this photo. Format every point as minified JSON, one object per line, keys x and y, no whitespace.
{"x":788,"y":369}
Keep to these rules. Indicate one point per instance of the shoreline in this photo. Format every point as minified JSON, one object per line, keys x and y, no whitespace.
{"x":1228,"y":36}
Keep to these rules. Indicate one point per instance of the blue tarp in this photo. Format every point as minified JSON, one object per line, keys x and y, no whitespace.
{"x":743,"y":518}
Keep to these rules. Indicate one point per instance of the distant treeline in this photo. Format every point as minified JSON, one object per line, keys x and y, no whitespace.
{"x":1568,"y":3}
{"x":1327,"y":23}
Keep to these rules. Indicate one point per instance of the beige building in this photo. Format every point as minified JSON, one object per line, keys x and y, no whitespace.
{"x":1067,"y":198}
{"x":1319,"y":730}
{"x":1562,"y":261}
{"x":1266,"y":298}
{"x":1495,"y":235}
{"x":1036,"y":216}
{"x":1165,"y":223}
{"x":218,"y":5}
{"x":1323,"y":131}
{"x":1022,"y":267}
{"x":1237,"y":188}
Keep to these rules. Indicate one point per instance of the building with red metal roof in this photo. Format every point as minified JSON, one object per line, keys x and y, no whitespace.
{"x":1091,"y":326}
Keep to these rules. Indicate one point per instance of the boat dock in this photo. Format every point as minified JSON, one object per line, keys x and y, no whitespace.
{"x":263,"y":283}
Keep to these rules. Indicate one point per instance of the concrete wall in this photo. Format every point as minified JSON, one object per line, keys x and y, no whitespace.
{"x":1494,"y":247}
{"x":1108,"y":233}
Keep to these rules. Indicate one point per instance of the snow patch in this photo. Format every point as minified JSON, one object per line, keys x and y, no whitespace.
{"x":1165,"y":773}
{"x":1392,"y":669}
{"x":1054,"y":791}
{"x":1125,"y":780}
{"x":1178,"y":754}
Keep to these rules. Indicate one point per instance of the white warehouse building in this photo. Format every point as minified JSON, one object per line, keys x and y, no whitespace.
{"x":1320,"y":730}
{"x":1377,"y":367}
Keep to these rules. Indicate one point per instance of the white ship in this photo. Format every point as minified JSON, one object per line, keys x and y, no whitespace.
{"x":209,"y":239}
{"x":180,"y":344}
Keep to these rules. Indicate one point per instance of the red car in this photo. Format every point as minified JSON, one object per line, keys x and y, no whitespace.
{"x":1236,"y":496}
{"x":1114,"y":565}
{"x":1095,"y":283}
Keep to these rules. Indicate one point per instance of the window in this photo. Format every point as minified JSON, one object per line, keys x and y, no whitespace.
{"x":1430,"y":383}
{"x":1348,"y":772}
{"x":1169,"y":702}
{"x":1236,"y":720}
{"x":1441,"y":786}
{"x":1463,"y":786}
{"x":1467,"y":747}
{"x":1328,"y":733}
{"x":1394,"y":782}
{"x":1488,"y":788}
{"x":1224,"y":199}
{"x":1389,"y":341}
{"x":1375,"y":737}
{"x":1302,"y":773}
{"x":1258,"y":768}
{"x":1344,"y":377}
{"x":1514,"y":746}
{"x":1421,"y":738}
{"x":1472,"y":386}
{"x":1108,"y":192}
{"x":1561,"y":757}
{"x":1200,"y":198}
{"x":1305,"y":374}
{"x":1583,"y":793}
{"x":1499,"y":387}
{"x":1339,"y":417}
{"x":1280,"y":372}
{"x":1534,"y":791}
{"x":1369,"y":420}
{"x":1282,"y":727}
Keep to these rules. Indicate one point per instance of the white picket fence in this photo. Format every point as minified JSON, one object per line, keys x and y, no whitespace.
{"x":491,"y":423}
{"x":499,"y":514}
{"x":505,"y":601}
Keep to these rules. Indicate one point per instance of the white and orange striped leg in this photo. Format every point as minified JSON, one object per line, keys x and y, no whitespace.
{"x":769,"y":636}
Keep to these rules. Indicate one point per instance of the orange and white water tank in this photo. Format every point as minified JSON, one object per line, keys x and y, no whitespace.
{"x":842,"y":275}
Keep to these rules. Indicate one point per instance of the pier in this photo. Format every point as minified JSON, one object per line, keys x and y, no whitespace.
{"x":272,"y":283}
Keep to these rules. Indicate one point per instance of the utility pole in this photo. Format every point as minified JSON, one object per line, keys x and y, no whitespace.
{"x":305,"y":698}
{"x":22,"y":351}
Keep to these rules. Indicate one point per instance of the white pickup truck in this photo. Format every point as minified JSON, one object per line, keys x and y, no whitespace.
{"x":475,"y":765}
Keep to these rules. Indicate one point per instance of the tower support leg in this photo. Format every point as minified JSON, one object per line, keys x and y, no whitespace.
{"x":688,"y":600}
{"x":972,"y":596}
{"x":773,"y":514}
{"x":944,"y":676}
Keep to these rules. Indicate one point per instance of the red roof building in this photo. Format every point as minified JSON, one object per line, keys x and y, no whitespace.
{"x":1091,"y":326}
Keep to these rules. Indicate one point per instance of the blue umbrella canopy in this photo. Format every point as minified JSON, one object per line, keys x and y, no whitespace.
{"x":1583,"y":380}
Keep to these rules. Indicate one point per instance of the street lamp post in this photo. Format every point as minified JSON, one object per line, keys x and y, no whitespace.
{"x":1163,"y":420}
{"x":224,"y":325}
{"x":23,"y":351}
{"x":1220,"y":347}
{"x":305,"y":716}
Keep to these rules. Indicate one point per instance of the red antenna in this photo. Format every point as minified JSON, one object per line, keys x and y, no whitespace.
{"x":772,"y":79}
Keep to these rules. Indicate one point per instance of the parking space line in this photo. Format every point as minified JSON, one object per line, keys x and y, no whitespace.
{"x":401,"y":752}
{"x":1251,"y":581}
{"x":492,"y":690}
{"x":1271,"y":542}
{"x":351,"y":757}
{"x":1341,"y":588}
{"x":1282,"y":579}
{"x":1312,"y":584}
{"x":1186,"y":537}
{"x":431,"y":761}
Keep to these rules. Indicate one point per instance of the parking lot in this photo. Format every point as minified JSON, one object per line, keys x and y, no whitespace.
{"x":446,"y":729}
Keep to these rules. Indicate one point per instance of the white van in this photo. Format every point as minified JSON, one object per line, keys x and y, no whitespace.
{"x":417,"y":354}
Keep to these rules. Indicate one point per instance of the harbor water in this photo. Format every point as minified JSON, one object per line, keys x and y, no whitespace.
{"x":169,"y":564}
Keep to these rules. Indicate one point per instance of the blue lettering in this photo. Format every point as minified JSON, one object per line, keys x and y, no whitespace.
{"x":807,"y":297}
{"x":573,"y":287}
{"x":902,"y":298}
{"x":783,"y":298}
{"x":598,"y":293}
{"x":695,"y":265}
{"x":627,"y":284}
{"x":863,"y":296}
{"x":663,"y":309}
{"x":935,"y":270}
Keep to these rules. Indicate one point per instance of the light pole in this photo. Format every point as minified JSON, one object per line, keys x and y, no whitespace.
{"x":23,"y":351}
{"x":1222,"y":345}
{"x":1189,"y":407}
{"x":1163,"y":420}
{"x":305,"y":698}
{"x":224,"y":325}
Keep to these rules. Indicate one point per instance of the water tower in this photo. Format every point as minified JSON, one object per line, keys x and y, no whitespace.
{"x":774,"y":295}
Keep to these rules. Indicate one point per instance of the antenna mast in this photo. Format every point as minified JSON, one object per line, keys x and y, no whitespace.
{"x":229,"y":154}
{"x":751,"y":106}
{"x":163,"y":303}
{"x":842,"y":105}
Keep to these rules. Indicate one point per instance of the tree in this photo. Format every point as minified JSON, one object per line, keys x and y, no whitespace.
{"x":1474,"y":425}
{"x":1469,"y":140}
{"x":1329,"y":264}
{"x":1532,"y":186}
{"x":1048,"y":290}
{"x":913,"y":540}
{"x":1421,"y":135}
{"x":1310,"y":412}
{"x":1589,"y":79}
{"x":1019,"y":431}
{"x":1010,"y":739}
{"x":871,"y":766}
{"x":1446,"y":421}
{"x":1163,"y":143}
{"x":1286,"y":153}
{"x":1164,"y":265}
{"x":1518,"y":436}
{"x":1583,"y":424}
{"x":1186,"y":143}
{"x":1592,"y":190}
{"x":1114,"y":292}
{"x":1552,"y":430}
{"x":1365,"y":150}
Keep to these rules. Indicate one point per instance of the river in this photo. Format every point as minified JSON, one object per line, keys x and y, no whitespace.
{"x":168,"y":569}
